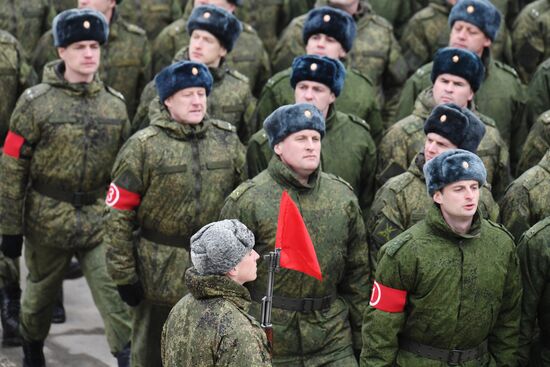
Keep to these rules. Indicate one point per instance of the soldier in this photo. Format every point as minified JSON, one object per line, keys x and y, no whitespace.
{"x":313,"y":323}
{"x":169,"y":180}
{"x":534,"y":259}
{"x":474,"y":25}
{"x":333,"y":38}
{"x":151,"y":15}
{"x":348,"y":148}
{"x":61,"y":5}
{"x":539,"y":90}
{"x":397,"y":12}
{"x":126,"y":58}
{"x":400,"y":203}
{"x":536,"y":144}
{"x":213,"y":33}
{"x":456,"y":76}
{"x":63,"y":137}
{"x":524,"y":202}
{"x":249,"y":56}
{"x":211,"y":326}
{"x":447,"y":290}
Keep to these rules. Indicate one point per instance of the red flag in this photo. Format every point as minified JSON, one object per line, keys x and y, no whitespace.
{"x":297,"y":251}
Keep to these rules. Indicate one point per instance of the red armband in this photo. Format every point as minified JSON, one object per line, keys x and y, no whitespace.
{"x":387,"y":299}
{"x":13,"y":144}
{"x":121,"y":199}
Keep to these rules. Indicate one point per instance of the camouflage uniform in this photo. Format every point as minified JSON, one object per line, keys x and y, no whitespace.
{"x":125,"y":59}
{"x":397,"y":12}
{"x":358,"y":97}
{"x":462,"y":290}
{"x":525,"y":201}
{"x":211,"y":326}
{"x":403,"y":201}
{"x":348,"y":151}
{"x":405,"y":139}
{"x":182,"y":174}
{"x":332,"y":214}
{"x":538,"y":90}
{"x":61,"y":5}
{"x":53,"y":194}
{"x":26,"y":20}
{"x":536,"y":144}
{"x":534,"y":259}
{"x":230,"y":100}
{"x":151,"y":15}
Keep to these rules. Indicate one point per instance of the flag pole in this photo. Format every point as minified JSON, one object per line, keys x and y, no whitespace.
{"x":272,"y":260}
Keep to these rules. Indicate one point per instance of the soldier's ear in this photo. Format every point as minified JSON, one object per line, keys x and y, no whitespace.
{"x":277,"y":149}
{"x":438,"y":197}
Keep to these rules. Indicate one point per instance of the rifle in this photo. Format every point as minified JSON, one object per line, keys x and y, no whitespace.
{"x":272,"y":259}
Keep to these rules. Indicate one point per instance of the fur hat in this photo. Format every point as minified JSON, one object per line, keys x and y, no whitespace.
{"x":480,"y":13}
{"x":289,"y":119}
{"x":217,"y":247}
{"x":222,"y":24}
{"x":321,"y":69}
{"x":452,"y":166}
{"x":75,"y":25}
{"x":459,"y":126}
{"x":459,"y":62}
{"x":181,"y":75}
{"x":333,"y":22}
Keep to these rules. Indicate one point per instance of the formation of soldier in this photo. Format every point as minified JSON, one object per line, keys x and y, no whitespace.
{"x":414,"y":135}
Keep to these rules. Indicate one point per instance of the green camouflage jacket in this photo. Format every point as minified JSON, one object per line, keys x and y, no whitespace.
{"x":151,"y":15}
{"x":525,"y":201}
{"x":534,"y":259}
{"x":70,"y":135}
{"x":538,"y":91}
{"x":331,"y":212}
{"x":211,"y":326}
{"x":460,"y":291}
{"x":397,"y":12}
{"x":403,"y":140}
{"x":125,"y":60}
{"x":536,"y":144}
{"x":180,"y":175}
{"x":358,"y":97}
{"x":403,"y":201}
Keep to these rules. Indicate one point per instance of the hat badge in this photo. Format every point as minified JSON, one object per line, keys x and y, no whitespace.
{"x":194,"y":71}
{"x":465,"y":165}
{"x":206,"y":15}
{"x":443,"y":118}
{"x":470,"y":9}
{"x":308,"y":114}
{"x":326,"y":18}
{"x":313,"y":67}
{"x":86,"y":24}
{"x":456,"y":58}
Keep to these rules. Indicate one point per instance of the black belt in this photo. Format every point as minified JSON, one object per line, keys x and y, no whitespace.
{"x":453,"y":357}
{"x":305,"y":305}
{"x":77,"y":198}
{"x":163,"y":239}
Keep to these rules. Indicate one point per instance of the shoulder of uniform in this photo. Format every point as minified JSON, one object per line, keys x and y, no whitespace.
{"x":237,"y":75}
{"x":532,"y":178}
{"x":281,"y":75}
{"x":507,"y":68}
{"x":360,"y":75}
{"x":36,"y":91}
{"x":537,"y":228}
{"x":410,"y":124}
{"x":545,"y":64}
{"x":247,"y":28}
{"x":132,"y":28}
{"x":545,"y":117}
{"x":145,"y":134}
{"x":486,"y":120}
{"x":241,"y":189}
{"x":175,"y":28}
{"x":357,"y":120}
{"x":394,"y":245}
{"x":339,"y":179}
{"x":537,"y":8}
{"x":501,"y":227}
{"x":381,"y":21}
{"x":423,"y":70}
{"x":260,"y":137}
{"x":426,"y":13}
{"x":115,"y":93}
{"x":7,"y":38}
{"x":223,"y":125}
{"x":400,"y":182}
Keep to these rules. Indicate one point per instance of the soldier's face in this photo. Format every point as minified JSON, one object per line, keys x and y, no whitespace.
{"x":301,"y":151}
{"x":245,"y":270}
{"x":436,"y":144}
{"x":81,"y":59}
{"x":204,"y":47}
{"x":103,"y":6}
{"x":219,"y":3}
{"x":458,"y":200}
{"x":314,"y":93}
{"x":322,"y":45}
{"x":187,"y":106}
{"x":449,"y":88}
{"x":468,"y":36}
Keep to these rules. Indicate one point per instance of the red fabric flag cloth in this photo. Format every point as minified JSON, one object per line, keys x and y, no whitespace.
{"x":297,"y":251}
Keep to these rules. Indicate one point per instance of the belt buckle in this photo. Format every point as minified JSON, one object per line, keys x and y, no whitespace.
{"x":454,"y":358}
{"x":77,"y":199}
{"x":307,"y":305}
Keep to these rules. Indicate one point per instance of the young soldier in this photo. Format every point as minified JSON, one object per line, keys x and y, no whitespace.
{"x":447,"y":291}
{"x":211,"y":326}
{"x":314,"y":323}
{"x":169,"y":180}
{"x":63,"y":138}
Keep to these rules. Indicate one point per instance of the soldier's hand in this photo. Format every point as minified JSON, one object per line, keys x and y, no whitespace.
{"x":11,"y":245}
{"x":132,"y":294}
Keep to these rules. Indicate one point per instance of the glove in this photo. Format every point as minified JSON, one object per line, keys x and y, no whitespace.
{"x":11,"y":245}
{"x":131,"y":294}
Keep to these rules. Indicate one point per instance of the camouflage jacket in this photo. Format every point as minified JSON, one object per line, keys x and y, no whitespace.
{"x":211,"y":326}
{"x":230,"y":100}
{"x":358,"y":97}
{"x":125,"y":60}
{"x":538,"y":90}
{"x":534,"y":259}
{"x":182,"y":174}
{"x":536,"y":144}
{"x":248,"y":56}
{"x":71,"y":134}
{"x":331,"y":212}
{"x":460,"y":291}
{"x":348,"y":151}
{"x":151,"y":15}
{"x":397,"y":12}
{"x":525,"y":201}
{"x":403,"y":201}
{"x":406,"y":138}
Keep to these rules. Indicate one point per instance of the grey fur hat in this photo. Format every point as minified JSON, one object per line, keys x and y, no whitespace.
{"x":333,"y":22}
{"x":181,"y":75}
{"x":217,"y":247}
{"x":480,"y":13}
{"x":289,"y":119}
{"x":452,"y":166}
{"x":321,"y":69}
{"x":218,"y":21}
{"x":459,"y":62}
{"x":75,"y":25}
